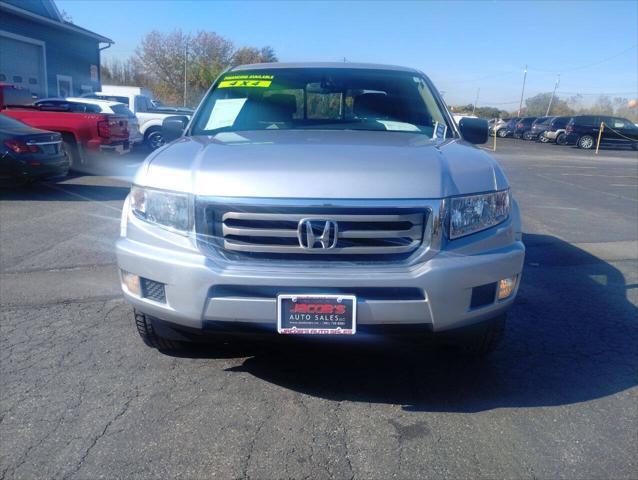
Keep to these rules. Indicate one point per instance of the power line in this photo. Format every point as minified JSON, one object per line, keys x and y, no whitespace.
{"x":587,"y":65}
{"x":487,"y":102}
{"x":599,"y":93}
{"x":495,"y":75}
{"x":580,"y":67}
{"x":622,"y":52}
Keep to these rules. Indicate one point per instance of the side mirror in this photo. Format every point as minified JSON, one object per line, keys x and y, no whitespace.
{"x":173,"y":127}
{"x":474,"y":130}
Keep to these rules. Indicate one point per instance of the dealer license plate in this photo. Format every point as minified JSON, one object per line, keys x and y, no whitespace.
{"x":317,"y":314}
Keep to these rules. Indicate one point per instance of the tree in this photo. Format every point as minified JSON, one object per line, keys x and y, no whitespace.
{"x":122,"y":72}
{"x":603,"y":105}
{"x":482,"y":112}
{"x":537,"y":105}
{"x":246,"y":55}
{"x":165,"y":61}
{"x":162,"y":57}
{"x":622,"y":109}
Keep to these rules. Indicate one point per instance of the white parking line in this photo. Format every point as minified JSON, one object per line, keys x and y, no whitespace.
{"x":624,"y":185}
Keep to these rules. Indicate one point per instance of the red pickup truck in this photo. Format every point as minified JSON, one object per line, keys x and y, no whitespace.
{"x":84,"y":135}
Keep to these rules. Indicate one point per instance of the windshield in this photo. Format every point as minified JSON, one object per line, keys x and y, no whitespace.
{"x":321,"y":98}
{"x":122,"y":109}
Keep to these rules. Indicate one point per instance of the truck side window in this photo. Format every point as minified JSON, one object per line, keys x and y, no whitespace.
{"x":142,"y":104}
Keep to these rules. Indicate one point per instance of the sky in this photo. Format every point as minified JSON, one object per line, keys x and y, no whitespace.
{"x":463,"y":46}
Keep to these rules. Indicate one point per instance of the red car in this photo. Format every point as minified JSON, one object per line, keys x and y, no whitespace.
{"x":84,"y":134}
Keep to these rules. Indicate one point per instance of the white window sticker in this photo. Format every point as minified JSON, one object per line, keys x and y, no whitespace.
{"x":440,"y":129}
{"x":224,"y":113}
{"x":398,"y":126}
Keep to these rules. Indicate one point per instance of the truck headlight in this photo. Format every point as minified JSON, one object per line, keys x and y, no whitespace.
{"x":160,"y":207}
{"x":473,"y":213}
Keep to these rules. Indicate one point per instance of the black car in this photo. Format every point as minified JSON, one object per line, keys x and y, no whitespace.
{"x":28,"y":153}
{"x":508,"y":129}
{"x":538,"y":128}
{"x":583,"y":131}
{"x":523,"y":126}
{"x":556,"y":130}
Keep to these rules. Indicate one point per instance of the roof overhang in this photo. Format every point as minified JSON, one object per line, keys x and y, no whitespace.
{"x":55,"y":24}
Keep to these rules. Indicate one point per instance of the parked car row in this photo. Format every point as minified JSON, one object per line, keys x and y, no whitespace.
{"x":83,"y":128}
{"x":580,"y":130}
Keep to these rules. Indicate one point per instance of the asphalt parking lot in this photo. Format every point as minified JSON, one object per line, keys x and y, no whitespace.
{"x":82,"y":397}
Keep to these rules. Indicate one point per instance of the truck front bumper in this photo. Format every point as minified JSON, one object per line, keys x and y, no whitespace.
{"x":439,"y":293}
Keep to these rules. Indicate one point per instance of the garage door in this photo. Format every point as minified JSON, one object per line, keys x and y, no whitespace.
{"x":21,"y":63}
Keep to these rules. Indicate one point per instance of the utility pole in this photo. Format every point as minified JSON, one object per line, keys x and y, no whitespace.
{"x":475,"y":101}
{"x":185,"y":61}
{"x":520,"y":105}
{"x":553,"y":93}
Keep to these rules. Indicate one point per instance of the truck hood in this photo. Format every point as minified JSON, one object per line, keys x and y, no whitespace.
{"x":336,"y":164}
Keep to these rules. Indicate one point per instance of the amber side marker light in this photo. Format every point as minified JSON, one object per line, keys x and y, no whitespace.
{"x":132,"y":283}
{"x":506,"y":287}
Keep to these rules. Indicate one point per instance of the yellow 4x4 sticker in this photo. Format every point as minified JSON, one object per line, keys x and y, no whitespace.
{"x":246,"y":81}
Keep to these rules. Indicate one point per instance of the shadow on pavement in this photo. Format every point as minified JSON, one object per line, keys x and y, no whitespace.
{"x":104,"y":178}
{"x":572,"y":337}
{"x":64,"y":192}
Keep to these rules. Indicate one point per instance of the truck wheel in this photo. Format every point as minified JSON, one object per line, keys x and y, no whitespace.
{"x":561,"y":138}
{"x":484,"y":340}
{"x":154,"y":138}
{"x":585,"y":142}
{"x":527,"y":135}
{"x":145,"y":328}
{"x":72,"y":151}
{"x":502,"y":133}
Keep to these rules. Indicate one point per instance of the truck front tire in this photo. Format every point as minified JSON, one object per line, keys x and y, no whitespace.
{"x":145,"y":328}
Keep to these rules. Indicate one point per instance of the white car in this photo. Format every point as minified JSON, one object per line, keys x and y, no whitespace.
{"x":496,"y":125}
{"x":458,"y":116}
{"x":90,"y":105}
{"x":140,"y":101}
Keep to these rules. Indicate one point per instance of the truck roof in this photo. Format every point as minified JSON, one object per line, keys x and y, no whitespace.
{"x":91,"y":101}
{"x":362,"y":66}
{"x":124,"y":90}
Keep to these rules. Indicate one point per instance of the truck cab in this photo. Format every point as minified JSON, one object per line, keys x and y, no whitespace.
{"x":140,"y":101}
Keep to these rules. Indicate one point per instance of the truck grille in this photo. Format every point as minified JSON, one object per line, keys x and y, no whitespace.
{"x":326,"y":233}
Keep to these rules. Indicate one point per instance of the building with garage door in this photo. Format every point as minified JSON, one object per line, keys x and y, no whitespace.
{"x":42,"y":52}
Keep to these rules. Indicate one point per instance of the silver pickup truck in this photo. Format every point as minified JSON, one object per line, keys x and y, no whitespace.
{"x":321,"y":200}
